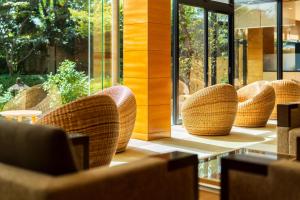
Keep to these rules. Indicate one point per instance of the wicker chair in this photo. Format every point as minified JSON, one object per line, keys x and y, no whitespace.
{"x":287,"y":91}
{"x":96,"y":116}
{"x":51,"y":102}
{"x":256,"y":103}
{"x":26,"y":99}
{"x":210,"y":111}
{"x":126,"y":103}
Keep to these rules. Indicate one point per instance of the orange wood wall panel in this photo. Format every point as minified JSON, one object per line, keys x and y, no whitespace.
{"x":159,"y":40}
{"x":268,"y":40}
{"x":135,"y":11}
{"x":139,"y":68}
{"x":147,"y":64}
{"x":159,"y":91}
{"x":158,"y":10}
{"x":160,"y":120}
{"x":160,"y":62}
{"x":139,"y":87}
{"x":135,"y":37}
{"x":141,"y":124}
{"x":255,"y":54}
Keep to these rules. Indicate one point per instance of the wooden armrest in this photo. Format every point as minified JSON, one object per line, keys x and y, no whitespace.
{"x":243,"y":163}
{"x":177,"y":160}
{"x":84,"y":140}
{"x":284,"y":114}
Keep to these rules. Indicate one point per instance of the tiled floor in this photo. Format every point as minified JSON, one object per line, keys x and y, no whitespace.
{"x":255,"y":138}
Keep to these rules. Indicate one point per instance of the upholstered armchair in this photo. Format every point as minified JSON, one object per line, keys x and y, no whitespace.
{"x":26,"y":99}
{"x":287,"y":91}
{"x":210,"y":111}
{"x":96,"y":116}
{"x":38,"y":163}
{"x":288,"y":127}
{"x":126,"y":104}
{"x":256,"y":103}
{"x":248,"y":177}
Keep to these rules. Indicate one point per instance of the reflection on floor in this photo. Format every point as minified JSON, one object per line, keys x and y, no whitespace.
{"x":254,"y":138}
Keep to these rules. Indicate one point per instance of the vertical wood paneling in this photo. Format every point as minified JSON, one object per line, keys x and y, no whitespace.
{"x":147,"y":64}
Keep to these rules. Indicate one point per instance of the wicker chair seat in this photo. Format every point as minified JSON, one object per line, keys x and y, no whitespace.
{"x":96,"y":116}
{"x":256,"y":103}
{"x":210,"y":111}
{"x":126,"y":104}
{"x":26,"y":99}
{"x":287,"y":91}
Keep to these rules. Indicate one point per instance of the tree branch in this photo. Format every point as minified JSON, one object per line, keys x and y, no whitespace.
{"x":25,"y":57}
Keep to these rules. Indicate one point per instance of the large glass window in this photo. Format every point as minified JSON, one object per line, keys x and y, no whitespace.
{"x":218,"y":48}
{"x":291,"y":40}
{"x":64,"y":49}
{"x":255,"y":41}
{"x":191,"y":51}
{"x":201,"y":49}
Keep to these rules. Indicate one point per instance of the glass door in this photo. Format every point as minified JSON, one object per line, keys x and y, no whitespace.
{"x":256,"y":41}
{"x":201,"y":43}
{"x":218,"y":48}
{"x":191,"y":52}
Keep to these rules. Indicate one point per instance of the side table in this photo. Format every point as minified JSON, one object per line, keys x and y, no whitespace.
{"x":20,"y":114}
{"x":81,"y":141}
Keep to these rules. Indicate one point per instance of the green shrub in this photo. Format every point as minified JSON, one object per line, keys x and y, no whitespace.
{"x":5,"y":96}
{"x":7,"y":81}
{"x":70,"y":83}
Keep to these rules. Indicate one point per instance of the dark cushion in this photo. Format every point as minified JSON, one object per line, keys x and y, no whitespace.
{"x":38,"y":148}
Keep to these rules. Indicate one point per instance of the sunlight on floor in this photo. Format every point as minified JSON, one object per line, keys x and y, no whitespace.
{"x":254,"y":138}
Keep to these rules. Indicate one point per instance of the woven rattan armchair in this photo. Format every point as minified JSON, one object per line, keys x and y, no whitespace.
{"x":287,"y":91}
{"x":96,"y":116}
{"x":126,"y":103}
{"x":210,"y":111}
{"x":51,"y":102}
{"x":256,"y":103}
{"x":26,"y":99}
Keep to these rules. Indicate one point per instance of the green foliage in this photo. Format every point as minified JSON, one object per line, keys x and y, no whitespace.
{"x":30,"y":27}
{"x":70,"y":83}
{"x":5,"y":97}
{"x":21,"y":32}
{"x":7,"y":81}
{"x":191,"y":42}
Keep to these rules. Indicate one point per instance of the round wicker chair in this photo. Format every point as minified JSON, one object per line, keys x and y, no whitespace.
{"x":96,"y":116}
{"x":126,"y":104}
{"x":210,"y":111}
{"x":256,"y":103}
{"x":26,"y":99}
{"x":286,"y":91}
{"x":51,"y":102}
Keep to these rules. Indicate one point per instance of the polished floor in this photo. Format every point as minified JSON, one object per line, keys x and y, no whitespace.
{"x":254,"y":138}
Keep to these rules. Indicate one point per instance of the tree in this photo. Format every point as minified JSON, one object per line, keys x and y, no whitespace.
{"x":190,"y":42}
{"x":31,"y":26}
{"x":21,"y":33}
